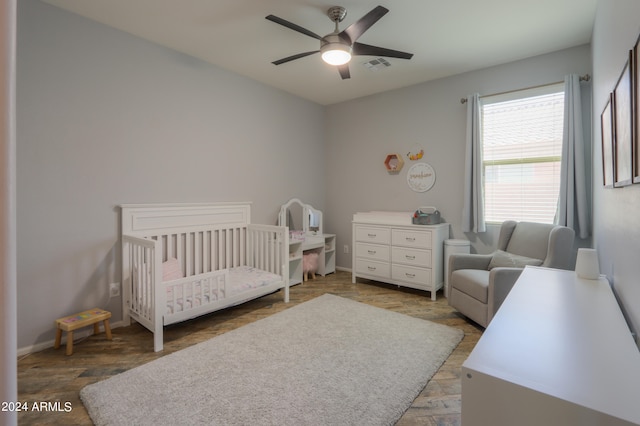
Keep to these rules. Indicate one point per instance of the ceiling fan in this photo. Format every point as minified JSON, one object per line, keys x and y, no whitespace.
{"x":338,"y":46}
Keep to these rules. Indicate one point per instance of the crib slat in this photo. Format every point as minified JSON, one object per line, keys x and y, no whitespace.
{"x":144,"y":302}
{"x":214,"y":250}
{"x":206,"y":252}
{"x":228,"y":241}
{"x":168,"y":242}
{"x":135,"y":284}
{"x":261,"y":250}
{"x":241,"y":246}
{"x":229,"y":246}
{"x":188,"y":240}
{"x":180,"y":251}
{"x":149,"y":280}
{"x":221,"y":249}
{"x":234,"y":248}
{"x":197,"y":252}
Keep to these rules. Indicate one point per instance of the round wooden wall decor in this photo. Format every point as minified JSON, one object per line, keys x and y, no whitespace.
{"x":421,"y":177}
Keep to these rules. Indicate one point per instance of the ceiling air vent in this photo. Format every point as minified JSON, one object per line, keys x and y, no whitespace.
{"x":377,"y":64}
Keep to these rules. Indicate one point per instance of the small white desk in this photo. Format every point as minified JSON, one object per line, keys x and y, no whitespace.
{"x":558,"y":352}
{"x":324,"y":244}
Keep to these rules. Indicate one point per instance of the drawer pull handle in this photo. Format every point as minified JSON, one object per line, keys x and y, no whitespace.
{"x":411,"y":239}
{"x":371,"y":251}
{"x":371,"y":268}
{"x":410,"y":257}
{"x":372,"y":235}
{"x":410,"y":275}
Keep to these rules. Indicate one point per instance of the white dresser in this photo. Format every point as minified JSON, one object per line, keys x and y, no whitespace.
{"x":388,"y":248}
{"x":557,"y":353}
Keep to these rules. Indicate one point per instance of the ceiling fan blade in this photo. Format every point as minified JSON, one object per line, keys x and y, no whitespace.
{"x":344,"y":71}
{"x":365,"y":49}
{"x":355,"y":30}
{"x":294,"y":57}
{"x":292,"y":26}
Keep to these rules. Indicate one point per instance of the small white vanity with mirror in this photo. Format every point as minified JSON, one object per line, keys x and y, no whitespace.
{"x":306,"y":235}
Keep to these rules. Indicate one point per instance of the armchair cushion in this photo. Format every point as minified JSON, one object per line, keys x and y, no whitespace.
{"x":473,"y":282}
{"x":503,"y":259}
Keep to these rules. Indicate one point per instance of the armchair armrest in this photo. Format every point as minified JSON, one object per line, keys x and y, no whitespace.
{"x":468,"y":261}
{"x":501,"y":281}
{"x":560,"y":248}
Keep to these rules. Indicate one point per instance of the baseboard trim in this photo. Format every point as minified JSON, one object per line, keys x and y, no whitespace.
{"x":82,"y":334}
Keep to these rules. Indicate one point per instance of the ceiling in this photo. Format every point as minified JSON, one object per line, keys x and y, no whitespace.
{"x":447,"y":37}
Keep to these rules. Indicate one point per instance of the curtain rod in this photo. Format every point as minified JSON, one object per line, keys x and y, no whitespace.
{"x":585,"y":77}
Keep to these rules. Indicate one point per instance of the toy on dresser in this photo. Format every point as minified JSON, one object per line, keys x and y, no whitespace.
{"x":309,"y":264}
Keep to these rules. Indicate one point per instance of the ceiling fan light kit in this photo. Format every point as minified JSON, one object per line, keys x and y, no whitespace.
{"x":338,"y":47}
{"x":335,"y":53}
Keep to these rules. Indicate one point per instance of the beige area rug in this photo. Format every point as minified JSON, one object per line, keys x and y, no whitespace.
{"x":328,"y":361}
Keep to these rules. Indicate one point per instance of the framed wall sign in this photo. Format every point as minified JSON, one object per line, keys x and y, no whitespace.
{"x":606,"y":121}
{"x":421,"y":177}
{"x":623,"y":133}
{"x":636,"y":114}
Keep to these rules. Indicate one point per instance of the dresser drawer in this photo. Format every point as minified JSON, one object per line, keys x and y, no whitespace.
{"x":371,"y":234}
{"x":411,"y":274}
{"x":410,"y":238}
{"x":372,"y":251}
{"x":373,"y":268}
{"x":410,"y":256}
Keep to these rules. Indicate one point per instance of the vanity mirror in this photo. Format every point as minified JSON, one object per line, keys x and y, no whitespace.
{"x":299,"y":216}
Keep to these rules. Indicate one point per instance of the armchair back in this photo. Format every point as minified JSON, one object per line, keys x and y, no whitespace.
{"x":550,"y":243}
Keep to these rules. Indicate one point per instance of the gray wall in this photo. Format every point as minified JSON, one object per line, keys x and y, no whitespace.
{"x":360,"y":133}
{"x":616,"y":225}
{"x":106,"y":118}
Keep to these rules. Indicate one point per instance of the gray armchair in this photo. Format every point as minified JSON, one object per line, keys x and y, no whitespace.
{"x":478,"y":284}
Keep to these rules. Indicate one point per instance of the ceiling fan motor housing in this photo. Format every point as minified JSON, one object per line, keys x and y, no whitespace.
{"x":334,"y":38}
{"x":337,"y":13}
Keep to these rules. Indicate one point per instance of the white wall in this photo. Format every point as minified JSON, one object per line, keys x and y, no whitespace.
{"x":360,"y":133}
{"x":106,"y":118}
{"x":616,"y":224}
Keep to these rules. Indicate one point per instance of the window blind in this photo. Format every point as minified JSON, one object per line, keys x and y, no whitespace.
{"x":522,"y":147}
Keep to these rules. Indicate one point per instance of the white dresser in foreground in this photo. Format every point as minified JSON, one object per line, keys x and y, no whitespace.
{"x":388,"y":248}
{"x":557,"y":353}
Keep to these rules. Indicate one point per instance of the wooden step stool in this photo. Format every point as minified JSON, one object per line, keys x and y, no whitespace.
{"x":83,"y":319}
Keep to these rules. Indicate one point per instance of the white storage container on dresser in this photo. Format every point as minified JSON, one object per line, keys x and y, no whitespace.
{"x":388,"y":248}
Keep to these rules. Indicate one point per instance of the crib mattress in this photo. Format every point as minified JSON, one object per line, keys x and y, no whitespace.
{"x":241,"y":279}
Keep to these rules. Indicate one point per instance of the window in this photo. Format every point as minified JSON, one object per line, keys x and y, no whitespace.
{"x":522,"y":148}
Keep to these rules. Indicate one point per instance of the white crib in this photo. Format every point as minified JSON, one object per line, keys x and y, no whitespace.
{"x":210,"y":254}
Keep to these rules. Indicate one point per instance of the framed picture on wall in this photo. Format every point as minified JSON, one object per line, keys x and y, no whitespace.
{"x":636,"y":114}
{"x":623,"y":127}
{"x":606,"y":121}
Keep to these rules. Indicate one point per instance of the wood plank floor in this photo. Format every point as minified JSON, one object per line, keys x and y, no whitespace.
{"x":51,"y":376}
